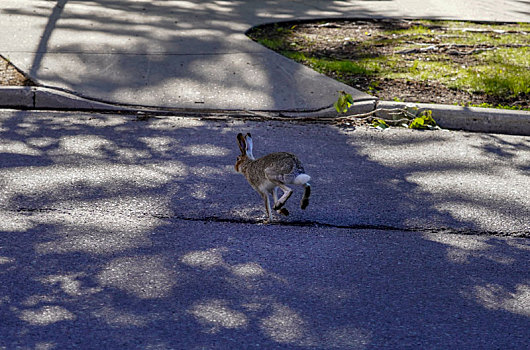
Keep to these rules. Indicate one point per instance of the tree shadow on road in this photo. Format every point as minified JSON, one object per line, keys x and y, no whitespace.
{"x":122,"y":232}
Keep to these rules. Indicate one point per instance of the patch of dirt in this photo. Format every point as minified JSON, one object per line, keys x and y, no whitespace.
{"x":346,"y":40}
{"x":11,"y":76}
{"x":427,"y":92}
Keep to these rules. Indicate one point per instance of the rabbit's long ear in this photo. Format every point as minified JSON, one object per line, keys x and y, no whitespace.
{"x":242,"y":144}
{"x":248,"y":140}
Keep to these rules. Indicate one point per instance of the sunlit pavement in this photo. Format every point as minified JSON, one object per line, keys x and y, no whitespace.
{"x":121,"y":232}
{"x":194,"y":54}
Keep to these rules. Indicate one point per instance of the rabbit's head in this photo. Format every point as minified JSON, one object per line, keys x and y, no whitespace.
{"x":245,"y":146}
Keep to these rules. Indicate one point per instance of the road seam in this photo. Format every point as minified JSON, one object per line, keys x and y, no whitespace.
{"x":308,"y":224}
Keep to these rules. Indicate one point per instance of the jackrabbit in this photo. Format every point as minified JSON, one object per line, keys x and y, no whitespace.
{"x":269,"y":172}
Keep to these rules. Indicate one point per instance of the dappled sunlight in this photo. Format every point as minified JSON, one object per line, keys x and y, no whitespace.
{"x":205,"y":259}
{"x":70,"y":284}
{"x":210,"y":172}
{"x":103,"y":243}
{"x":221,"y":6}
{"x":485,"y":217}
{"x":250,"y":211}
{"x":468,"y":243}
{"x":40,"y":142}
{"x":26,"y":128}
{"x":46,"y":315}
{"x":108,"y":229}
{"x":102,"y":196}
{"x":498,"y":203}
{"x":122,"y":52}
{"x":146,"y":277}
{"x":259,"y":306}
{"x":207,"y":150}
{"x":34,"y":300}
{"x":141,"y":229}
{"x":445,"y":168}
{"x":103,"y":233}
{"x":284,"y":325}
{"x":14,"y":222}
{"x":464,"y":249}
{"x":221,"y":68}
{"x":240,"y":275}
{"x":18,"y":147}
{"x":404,"y":148}
{"x":165,"y":124}
{"x":103,"y":178}
{"x":216,"y":314}
{"x":519,"y":244}
{"x":497,"y":297}
{"x":248,"y":270}
{"x":84,"y":145}
{"x":161,"y":145}
{"x":200,"y":191}
{"x":467,"y":250}
{"x":117,"y":318}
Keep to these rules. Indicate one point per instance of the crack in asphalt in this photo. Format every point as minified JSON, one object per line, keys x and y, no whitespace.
{"x":313,"y":224}
{"x":375,"y":227}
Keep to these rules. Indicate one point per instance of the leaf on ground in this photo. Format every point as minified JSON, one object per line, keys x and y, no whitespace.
{"x":380,"y":124}
{"x":344,"y":102}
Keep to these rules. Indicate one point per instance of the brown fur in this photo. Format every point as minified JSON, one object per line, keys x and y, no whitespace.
{"x":269,"y":172}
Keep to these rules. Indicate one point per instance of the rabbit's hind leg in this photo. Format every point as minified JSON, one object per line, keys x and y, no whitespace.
{"x":287,"y":192}
{"x":282,"y":211}
{"x":305,"y":198}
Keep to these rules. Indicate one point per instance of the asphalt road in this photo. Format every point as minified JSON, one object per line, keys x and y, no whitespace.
{"x":119,"y":232}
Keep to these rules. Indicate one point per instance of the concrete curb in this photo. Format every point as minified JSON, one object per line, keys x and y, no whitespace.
{"x":488,"y":120}
{"x":33,"y":97}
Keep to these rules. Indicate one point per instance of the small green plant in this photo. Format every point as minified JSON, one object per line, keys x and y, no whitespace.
{"x":409,"y":119}
{"x":415,"y":65}
{"x":344,"y":102}
{"x":423,"y":121}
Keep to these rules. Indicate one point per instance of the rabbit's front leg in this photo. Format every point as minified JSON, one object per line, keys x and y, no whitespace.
{"x":266,"y":199}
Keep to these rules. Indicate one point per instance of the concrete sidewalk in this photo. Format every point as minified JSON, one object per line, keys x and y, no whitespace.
{"x":181,"y":54}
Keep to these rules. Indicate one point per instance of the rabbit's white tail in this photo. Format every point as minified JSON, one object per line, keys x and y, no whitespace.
{"x":301,"y":179}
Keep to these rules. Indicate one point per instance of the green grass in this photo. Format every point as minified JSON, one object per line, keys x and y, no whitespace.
{"x":273,"y":44}
{"x":500,"y":72}
{"x":414,"y":30}
{"x":340,"y":67}
{"x":503,"y":71}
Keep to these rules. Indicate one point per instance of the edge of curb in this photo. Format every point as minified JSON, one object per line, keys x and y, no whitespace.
{"x":36,"y":97}
{"x":475,"y":119}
